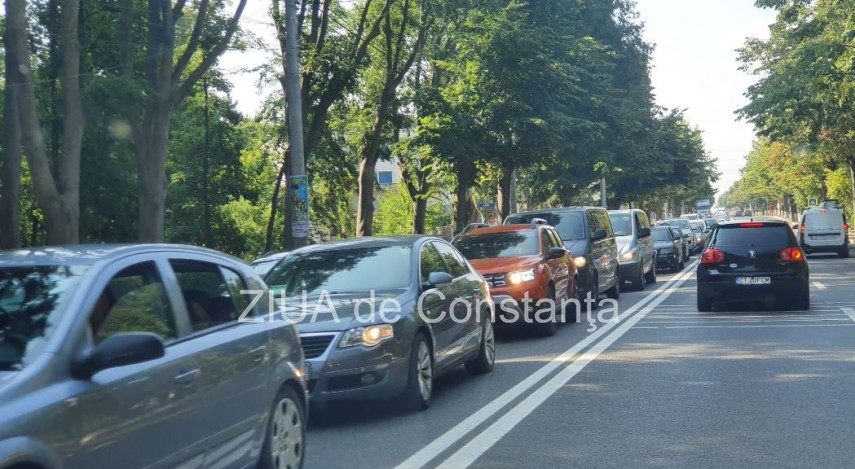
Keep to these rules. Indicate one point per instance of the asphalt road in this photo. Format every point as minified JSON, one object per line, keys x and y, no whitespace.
{"x":665,"y":386}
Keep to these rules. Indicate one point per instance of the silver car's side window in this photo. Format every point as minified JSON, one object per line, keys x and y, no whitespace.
{"x":207,"y":294}
{"x":135,"y":300}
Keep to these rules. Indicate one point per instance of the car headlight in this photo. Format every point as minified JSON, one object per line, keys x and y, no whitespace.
{"x":580,"y":262}
{"x":520,"y":277}
{"x":630,"y":255}
{"x":368,"y":336}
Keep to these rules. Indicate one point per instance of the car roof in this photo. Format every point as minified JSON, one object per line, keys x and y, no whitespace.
{"x":766,"y":220}
{"x":350,"y":243}
{"x":575,"y":208}
{"x":502,"y":229}
{"x":89,"y":254}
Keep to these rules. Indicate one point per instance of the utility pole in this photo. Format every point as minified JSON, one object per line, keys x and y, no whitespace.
{"x":603,"y":193}
{"x":297,"y":195}
{"x":206,"y":202}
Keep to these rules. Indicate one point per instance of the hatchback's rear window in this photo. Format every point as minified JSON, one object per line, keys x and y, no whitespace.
{"x":766,"y":236}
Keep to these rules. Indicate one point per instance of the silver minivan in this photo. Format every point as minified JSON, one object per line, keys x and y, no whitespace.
{"x":636,"y":251}
{"x":144,"y":356}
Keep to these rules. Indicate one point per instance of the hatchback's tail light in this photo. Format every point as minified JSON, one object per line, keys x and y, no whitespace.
{"x":846,"y":227}
{"x":712,"y":256}
{"x":802,"y":228}
{"x":792,"y":254}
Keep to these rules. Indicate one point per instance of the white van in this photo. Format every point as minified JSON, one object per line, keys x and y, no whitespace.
{"x":824,"y":230}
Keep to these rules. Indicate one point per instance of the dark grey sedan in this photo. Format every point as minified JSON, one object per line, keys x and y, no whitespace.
{"x":383,"y":317}
{"x":136,"y":356}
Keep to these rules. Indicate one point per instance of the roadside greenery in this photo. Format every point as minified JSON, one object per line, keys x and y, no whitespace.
{"x":802,"y":107}
{"x":128,"y":134}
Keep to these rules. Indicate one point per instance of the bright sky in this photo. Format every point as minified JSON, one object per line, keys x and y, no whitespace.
{"x":694,"y":67}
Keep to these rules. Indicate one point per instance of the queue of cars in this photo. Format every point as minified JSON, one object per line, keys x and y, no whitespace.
{"x":162,"y":355}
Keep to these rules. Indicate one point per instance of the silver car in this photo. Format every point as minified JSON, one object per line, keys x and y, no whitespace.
{"x":136,"y":356}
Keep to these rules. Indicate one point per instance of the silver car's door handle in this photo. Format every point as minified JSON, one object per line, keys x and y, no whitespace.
{"x":258,"y":353}
{"x":187,"y":377}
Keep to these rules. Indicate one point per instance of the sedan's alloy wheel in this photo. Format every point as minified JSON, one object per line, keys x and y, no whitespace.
{"x":424,"y":370}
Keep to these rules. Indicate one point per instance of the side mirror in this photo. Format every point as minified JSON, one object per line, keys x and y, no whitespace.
{"x":795,"y":226}
{"x":437,"y":278}
{"x":119,"y":350}
{"x":556,"y":253}
{"x":643,"y":232}
{"x":599,"y":234}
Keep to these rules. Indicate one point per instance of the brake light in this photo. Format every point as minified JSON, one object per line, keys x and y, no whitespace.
{"x":750,"y":225}
{"x":802,"y":228}
{"x":712,"y":256}
{"x":846,"y":227}
{"x":792,"y":254}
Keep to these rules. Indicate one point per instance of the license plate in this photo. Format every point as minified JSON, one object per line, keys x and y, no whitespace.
{"x":819,"y":237}
{"x":753,"y":280}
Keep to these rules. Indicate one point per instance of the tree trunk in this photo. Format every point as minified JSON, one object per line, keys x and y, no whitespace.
{"x":274,"y":203}
{"x":57,"y":197}
{"x":10,"y":180}
{"x":504,"y":194}
{"x":420,"y":214}
{"x":151,"y":147}
{"x":465,"y":170}
{"x":367,"y":163}
{"x":851,"y":162}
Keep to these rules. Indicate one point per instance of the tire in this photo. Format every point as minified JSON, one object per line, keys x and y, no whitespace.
{"x":548,"y":329}
{"x":651,"y":276}
{"x":486,"y":358}
{"x":284,"y":441}
{"x":595,"y":291}
{"x":705,"y":304}
{"x":614,"y":292}
{"x":419,"y":390}
{"x":801,"y":302}
{"x":638,"y":283}
{"x":675,"y":266}
{"x":844,"y":253}
{"x":682,"y":265}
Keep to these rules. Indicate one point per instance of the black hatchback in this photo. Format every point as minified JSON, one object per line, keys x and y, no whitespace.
{"x":755,"y":260}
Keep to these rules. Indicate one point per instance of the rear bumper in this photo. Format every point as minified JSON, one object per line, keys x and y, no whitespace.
{"x":809,"y":248}
{"x":724,"y":288}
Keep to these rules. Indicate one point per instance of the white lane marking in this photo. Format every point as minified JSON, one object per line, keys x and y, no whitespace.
{"x":459,"y":431}
{"x":849,"y":312}
{"x":819,"y":286}
{"x":470,"y":452}
{"x":757,"y":326}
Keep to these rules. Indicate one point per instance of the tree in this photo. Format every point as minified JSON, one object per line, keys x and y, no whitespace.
{"x":10,"y":165}
{"x":58,"y":196}
{"x":171,"y":69}
{"x":403,"y":32}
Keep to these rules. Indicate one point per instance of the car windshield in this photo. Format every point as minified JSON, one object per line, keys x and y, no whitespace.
{"x":263,"y":267}
{"x":493,"y":245}
{"x":683,"y":224}
{"x":31,"y":304}
{"x":621,"y":222}
{"x":660,"y":234}
{"x":348,"y":270}
{"x":570,"y":225}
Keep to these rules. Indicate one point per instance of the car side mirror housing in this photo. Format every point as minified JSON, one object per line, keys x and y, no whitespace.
{"x":119,"y":350}
{"x":436,"y":279}
{"x":795,"y":226}
{"x":556,"y":253}
{"x":599,"y":234}
{"x":643,"y":232}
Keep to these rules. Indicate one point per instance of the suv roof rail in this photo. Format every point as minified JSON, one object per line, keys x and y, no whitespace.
{"x":471,"y":227}
{"x":538,"y":221}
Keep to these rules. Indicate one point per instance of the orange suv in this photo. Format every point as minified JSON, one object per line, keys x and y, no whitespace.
{"x":522,"y":264}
